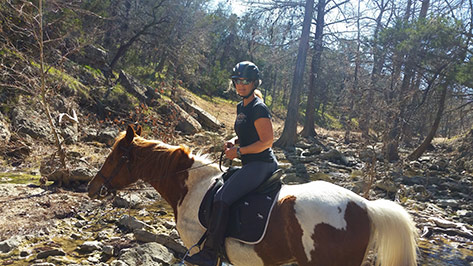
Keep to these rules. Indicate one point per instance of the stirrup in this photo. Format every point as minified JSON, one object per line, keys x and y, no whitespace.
{"x":187,"y":254}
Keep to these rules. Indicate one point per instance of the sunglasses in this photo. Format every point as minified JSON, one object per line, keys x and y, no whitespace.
{"x":242,"y":81}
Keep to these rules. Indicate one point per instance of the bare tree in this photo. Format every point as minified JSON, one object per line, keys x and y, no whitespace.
{"x":409,"y":61}
{"x":32,"y":17}
{"x":289,"y":135}
{"x":35,"y":49}
{"x":379,"y":56}
{"x":309,"y":123}
{"x":152,"y":18}
{"x":423,"y":147}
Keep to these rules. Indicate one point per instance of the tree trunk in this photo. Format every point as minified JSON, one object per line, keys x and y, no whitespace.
{"x":378,"y":62}
{"x":309,"y":127}
{"x":409,"y":61}
{"x":421,"y":149}
{"x":355,"y":88}
{"x":289,"y":134}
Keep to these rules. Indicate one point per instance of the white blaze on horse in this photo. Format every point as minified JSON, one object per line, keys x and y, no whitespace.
{"x":317,"y":223}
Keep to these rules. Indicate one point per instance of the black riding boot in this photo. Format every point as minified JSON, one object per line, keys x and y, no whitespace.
{"x":216,"y":237}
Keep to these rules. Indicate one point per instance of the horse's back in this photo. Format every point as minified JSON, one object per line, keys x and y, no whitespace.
{"x":317,"y":223}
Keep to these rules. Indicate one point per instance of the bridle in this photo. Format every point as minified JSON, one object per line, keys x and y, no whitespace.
{"x":107,"y":187}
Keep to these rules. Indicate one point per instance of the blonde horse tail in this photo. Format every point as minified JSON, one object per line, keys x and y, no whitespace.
{"x":393,"y":234}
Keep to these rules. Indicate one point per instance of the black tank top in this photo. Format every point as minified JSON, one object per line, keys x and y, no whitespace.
{"x":246,"y":130}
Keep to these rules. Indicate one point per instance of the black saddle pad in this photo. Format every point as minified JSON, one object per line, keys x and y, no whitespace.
{"x":249,"y":216}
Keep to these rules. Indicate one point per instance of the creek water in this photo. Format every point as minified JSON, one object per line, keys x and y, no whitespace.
{"x":439,"y":251}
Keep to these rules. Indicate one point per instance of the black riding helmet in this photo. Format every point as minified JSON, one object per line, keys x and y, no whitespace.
{"x":246,"y":70}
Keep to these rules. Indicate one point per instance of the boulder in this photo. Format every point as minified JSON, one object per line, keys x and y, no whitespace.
{"x":90,"y":246}
{"x":92,"y":56}
{"x":132,"y":224}
{"x":18,"y":149}
{"x":78,"y":171}
{"x":146,"y":237}
{"x":30,"y":122}
{"x":105,"y":135}
{"x":335,"y":156}
{"x":127,"y":201}
{"x":83,"y":173}
{"x":5,"y":134}
{"x":69,"y":134}
{"x":50,"y":252}
{"x":9,"y":244}
{"x":148,"y":254}
{"x":185,"y":122}
{"x":205,"y":119}
{"x":133,"y":86}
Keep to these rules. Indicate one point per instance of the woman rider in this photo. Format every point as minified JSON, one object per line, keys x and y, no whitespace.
{"x":253,"y":146}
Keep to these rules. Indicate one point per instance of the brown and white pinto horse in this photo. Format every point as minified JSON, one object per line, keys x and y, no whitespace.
{"x":317,"y":223}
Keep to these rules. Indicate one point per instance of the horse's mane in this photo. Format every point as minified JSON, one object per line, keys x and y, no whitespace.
{"x":157,"y":157}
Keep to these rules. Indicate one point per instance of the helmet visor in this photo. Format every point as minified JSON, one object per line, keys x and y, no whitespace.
{"x":241,"y":81}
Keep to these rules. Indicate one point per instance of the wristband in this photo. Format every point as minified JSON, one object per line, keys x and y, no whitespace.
{"x":238,"y":153}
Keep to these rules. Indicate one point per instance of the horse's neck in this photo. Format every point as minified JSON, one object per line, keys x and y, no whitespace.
{"x":176,"y":186}
{"x":200,"y":177}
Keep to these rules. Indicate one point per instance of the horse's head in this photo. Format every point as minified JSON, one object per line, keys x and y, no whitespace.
{"x":115,"y":173}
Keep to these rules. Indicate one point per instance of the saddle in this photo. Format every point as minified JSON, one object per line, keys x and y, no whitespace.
{"x":249,"y":216}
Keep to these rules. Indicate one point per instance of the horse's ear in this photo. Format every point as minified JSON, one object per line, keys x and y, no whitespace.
{"x":138,"y":130}
{"x":130,"y":134}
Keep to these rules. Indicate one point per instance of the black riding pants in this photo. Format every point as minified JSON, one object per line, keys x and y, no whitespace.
{"x":243,"y":181}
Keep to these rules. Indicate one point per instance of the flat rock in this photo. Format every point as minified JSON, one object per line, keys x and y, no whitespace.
{"x":51,"y":252}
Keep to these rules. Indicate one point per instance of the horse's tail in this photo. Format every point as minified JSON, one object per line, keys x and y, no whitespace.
{"x":393,"y":234}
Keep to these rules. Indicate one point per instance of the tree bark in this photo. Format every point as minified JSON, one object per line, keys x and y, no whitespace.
{"x":378,"y":62}
{"x":421,"y":149}
{"x":309,"y":123}
{"x":289,"y":134}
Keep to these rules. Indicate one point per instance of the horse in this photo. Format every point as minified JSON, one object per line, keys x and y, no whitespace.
{"x":316,"y":223}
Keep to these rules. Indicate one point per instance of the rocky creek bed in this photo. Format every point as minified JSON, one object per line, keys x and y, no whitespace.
{"x":53,"y":226}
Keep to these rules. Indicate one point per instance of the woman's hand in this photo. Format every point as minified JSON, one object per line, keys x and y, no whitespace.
{"x":228,"y":145}
{"x":231,"y":152}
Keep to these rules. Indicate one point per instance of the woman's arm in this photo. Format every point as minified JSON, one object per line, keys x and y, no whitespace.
{"x":264,"y":128}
